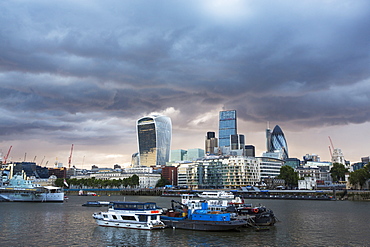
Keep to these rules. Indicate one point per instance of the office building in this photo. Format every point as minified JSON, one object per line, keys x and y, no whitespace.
{"x":227,"y":127}
{"x":154,"y":140}
{"x":250,"y":151}
{"x":278,"y":142}
{"x":178,"y":155}
{"x":211,"y":143}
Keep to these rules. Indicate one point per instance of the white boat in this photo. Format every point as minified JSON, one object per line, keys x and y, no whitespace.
{"x":134,"y":215}
{"x":17,"y":189}
{"x":217,"y":194}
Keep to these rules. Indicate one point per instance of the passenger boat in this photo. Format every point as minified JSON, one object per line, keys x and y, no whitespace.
{"x":134,"y":215}
{"x":17,"y":189}
{"x":216,"y":194}
{"x":95,"y":204}
{"x":190,"y":218}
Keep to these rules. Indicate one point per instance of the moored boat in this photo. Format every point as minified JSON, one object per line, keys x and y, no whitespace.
{"x":216,"y":194}
{"x":95,"y":204}
{"x":254,"y":215}
{"x":17,"y":189}
{"x":134,"y":215}
{"x":189,"y":218}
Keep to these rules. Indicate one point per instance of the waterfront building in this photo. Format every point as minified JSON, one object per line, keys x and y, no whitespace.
{"x":187,"y":175}
{"x":170,"y":173}
{"x":278,"y":142}
{"x":241,"y":171}
{"x":320,"y":174}
{"x":146,"y":180}
{"x":220,"y":172}
{"x":308,"y":183}
{"x":270,"y":166}
{"x":154,"y":135}
{"x":227,"y":127}
{"x":211,"y":143}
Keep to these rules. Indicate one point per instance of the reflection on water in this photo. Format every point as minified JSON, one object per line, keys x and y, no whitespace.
{"x":302,"y":223}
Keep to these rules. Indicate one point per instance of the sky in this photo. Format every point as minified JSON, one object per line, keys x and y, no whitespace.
{"x":82,"y":73}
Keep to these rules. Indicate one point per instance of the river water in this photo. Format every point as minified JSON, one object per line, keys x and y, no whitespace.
{"x":301,"y":223}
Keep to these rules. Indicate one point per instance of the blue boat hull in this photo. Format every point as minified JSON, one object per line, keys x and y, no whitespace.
{"x":202,"y":225}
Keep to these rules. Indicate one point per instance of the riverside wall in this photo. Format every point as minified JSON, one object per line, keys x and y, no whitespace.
{"x":353,"y":195}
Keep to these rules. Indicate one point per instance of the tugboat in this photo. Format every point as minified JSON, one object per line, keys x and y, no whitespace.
{"x":134,"y":215}
{"x":254,"y":216}
{"x":190,"y":218}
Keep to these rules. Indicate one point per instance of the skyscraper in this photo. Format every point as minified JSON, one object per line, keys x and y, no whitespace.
{"x":154,"y":140}
{"x":211,"y":143}
{"x":227,"y":127}
{"x":278,"y":142}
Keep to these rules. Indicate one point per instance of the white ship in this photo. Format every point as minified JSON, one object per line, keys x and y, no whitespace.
{"x":17,"y":189}
{"x":134,"y":215}
{"x":217,"y":194}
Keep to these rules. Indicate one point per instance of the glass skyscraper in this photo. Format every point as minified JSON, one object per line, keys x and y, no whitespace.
{"x":278,"y":142}
{"x":227,"y":127}
{"x":154,"y":135}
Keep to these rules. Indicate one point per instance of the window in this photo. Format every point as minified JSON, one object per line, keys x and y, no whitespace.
{"x":124,"y":217}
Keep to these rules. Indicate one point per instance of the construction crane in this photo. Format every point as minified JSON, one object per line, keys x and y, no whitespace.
{"x":7,"y":155}
{"x":70,"y":158}
{"x":332,"y":147}
{"x":331,"y":143}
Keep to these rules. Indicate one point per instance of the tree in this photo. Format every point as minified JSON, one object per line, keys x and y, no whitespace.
{"x":338,"y":172}
{"x":360,"y":176}
{"x":134,"y":180}
{"x":289,"y":175}
{"x":162,"y":182}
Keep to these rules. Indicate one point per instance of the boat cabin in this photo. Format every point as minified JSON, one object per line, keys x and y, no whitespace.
{"x":133,"y":206}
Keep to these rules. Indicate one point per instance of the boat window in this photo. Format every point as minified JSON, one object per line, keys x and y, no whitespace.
{"x":142,"y":218}
{"x":124,"y":217}
{"x":105,"y":216}
{"x":140,"y":206}
{"x":149,"y":206}
{"x":114,"y":217}
{"x":153,"y":217}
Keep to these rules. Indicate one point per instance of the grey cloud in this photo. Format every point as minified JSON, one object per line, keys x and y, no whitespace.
{"x":283,"y":61}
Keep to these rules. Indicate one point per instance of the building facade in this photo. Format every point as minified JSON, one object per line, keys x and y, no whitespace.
{"x":270,"y":167}
{"x":154,"y":135}
{"x":220,"y":173}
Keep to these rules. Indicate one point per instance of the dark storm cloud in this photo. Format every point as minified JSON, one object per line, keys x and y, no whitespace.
{"x":281,"y":61}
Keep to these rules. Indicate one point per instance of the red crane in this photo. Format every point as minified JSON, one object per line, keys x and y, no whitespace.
{"x":70,"y":158}
{"x":7,"y":155}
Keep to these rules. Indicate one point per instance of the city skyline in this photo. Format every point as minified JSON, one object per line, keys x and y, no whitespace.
{"x":82,"y":73}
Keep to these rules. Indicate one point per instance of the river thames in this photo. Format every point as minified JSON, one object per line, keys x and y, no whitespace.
{"x":301,"y":223}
